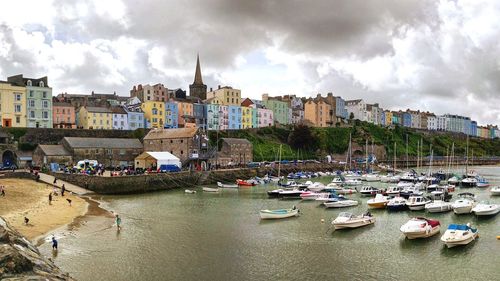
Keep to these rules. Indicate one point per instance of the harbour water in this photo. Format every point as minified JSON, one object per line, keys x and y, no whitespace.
{"x":177,"y":236}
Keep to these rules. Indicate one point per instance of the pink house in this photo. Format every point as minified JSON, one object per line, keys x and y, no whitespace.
{"x":265,"y":117}
{"x":63,"y":115}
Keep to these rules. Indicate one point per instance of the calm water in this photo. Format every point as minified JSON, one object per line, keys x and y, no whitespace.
{"x":177,"y":236}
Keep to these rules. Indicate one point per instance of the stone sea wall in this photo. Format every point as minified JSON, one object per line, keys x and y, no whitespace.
{"x":21,"y":260}
{"x":167,"y":181}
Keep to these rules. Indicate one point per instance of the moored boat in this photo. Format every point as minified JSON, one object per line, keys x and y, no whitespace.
{"x":464,"y":204}
{"x":417,"y":202}
{"x":420,"y":228}
{"x":279,"y":214}
{"x":348,"y":220}
{"x":482,"y":182}
{"x":353,"y":182}
{"x":368,"y":191}
{"x":378,"y":202}
{"x":225,"y":185}
{"x":189,"y":191}
{"x":291,"y":194}
{"x":397,"y":204}
{"x":309,"y":195}
{"x":486,"y":209}
{"x":495,"y":190}
{"x":438,"y":206}
{"x":209,"y":189}
{"x":245,"y":183}
{"x":393,"y":190}
{"x":340,"y":202}
{"x":459,"y":234}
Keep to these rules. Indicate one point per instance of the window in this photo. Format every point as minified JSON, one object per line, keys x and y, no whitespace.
{"x":44,"y":94}
{"x":32,"y":114}
{"x":41,"y":84}
{"x":32,"y":93}
{"x":31,"y":103}
{"x":45,"y":104}
{"x":182,"y":152}
{"x":17,"y":108}
{"x":18,"y":97}
{"x":182,"y":141}
{"x":171,"y":141}
{"x":18,"y":119}
{"x":29,"y":83}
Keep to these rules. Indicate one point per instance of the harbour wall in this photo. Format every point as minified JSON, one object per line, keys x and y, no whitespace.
{"x":168,"y":181}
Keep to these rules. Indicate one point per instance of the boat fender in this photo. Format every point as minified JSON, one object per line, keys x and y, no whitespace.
{"x":498,"y":237}
{"x":323,"y":221}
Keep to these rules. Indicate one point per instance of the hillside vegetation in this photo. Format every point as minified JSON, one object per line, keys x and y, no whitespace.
{"x":314,"y":143}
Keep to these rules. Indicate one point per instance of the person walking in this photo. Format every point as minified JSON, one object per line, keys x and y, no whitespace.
{"x":55,"y":181}
{"x":54,"y":243}
{"x":26,"y":220}
{"x":63,"y":189}
{"x":118,"y":222}
{"x":2,"y":191}
{"x":50,"y":198}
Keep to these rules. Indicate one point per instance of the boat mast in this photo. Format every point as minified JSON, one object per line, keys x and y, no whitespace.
{"x":366,"y":153}
{"x":467,"y":157}
{"x":350,"y":151}
{"x":279,"y":163}
{"x":407,"y":164}
{"x":430,"y":161}
{"x":394,"y":159}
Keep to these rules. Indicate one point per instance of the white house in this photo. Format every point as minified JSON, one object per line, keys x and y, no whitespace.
{"x":357,"y":108}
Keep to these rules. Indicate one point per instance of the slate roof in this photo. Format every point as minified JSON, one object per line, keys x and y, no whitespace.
{"x":98,"y":109}
{"x":54,"y":150}
{"x":171,"y":133}
{"x":75,"y":142}
{"x":118,"y":110}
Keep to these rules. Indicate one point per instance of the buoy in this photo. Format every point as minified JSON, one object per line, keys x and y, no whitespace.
{"x":323,"y":221}
{"x":498,"y":237}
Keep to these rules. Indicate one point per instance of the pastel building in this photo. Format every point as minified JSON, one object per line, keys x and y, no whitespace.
{"x":212,"y":113}
{"x":199,"y":114}
{"x":171,"y":115}
{"x":473,"y":128}
{"x":223,"y":117}
{"x":225,"y":95}
{"x":157,"y":92}
{"x":246,"y":117}
{"x":38,"y":100}
{"x":317,"y":112}
{"x":388,"y":117}
{"x":154,"y":114}
{"x":234,"y":117}
{"x":63,"y":115}
{"x":265,"y":116}
{"x":406,"y":119}
{"x":135,"y":116}
{"x":357,"y":108}
{"x":12,"y":105}
{"x":432,"y":122}
{"x":186,"y":117}
{"x":120,"y":118}
{"x":95,"y":118}
{"x":279,"y":108}
{"x":255,"y":119}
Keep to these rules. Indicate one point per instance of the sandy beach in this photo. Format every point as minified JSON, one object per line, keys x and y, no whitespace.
{"x":28,"y":198}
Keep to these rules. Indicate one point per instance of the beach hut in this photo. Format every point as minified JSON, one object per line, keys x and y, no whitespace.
{"x":156,"y":159}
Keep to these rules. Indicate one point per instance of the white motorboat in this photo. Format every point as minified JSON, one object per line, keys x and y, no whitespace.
{"x":417,"y":202}
{"x":410,"y":191}
{"x":438,"y":206}
{"x":209,"y":189}
{"x":316,"y":187}
{"x":405,"y":184}
{"x":309,"y":195}
{"x":189,"y":191}
{"x":397,"y":204}
{"x":353,"y":182}
{"x":368,"y":190}
{"x":486,"y":209}
{"x":459,"y":234}
{"x":348,"y":220}
{"x":340,"y":202}
{"x":225,"y":185}
{"x":279,"y":214}
{"x":337,"y":180}
{"x":464,"y":204}
{"x":332,"y":186}
{"x":395,"y":179}
{"x":420,"y":228}
{"x":409,"y":177}
{"x":385,"y":178}
{"x":453,"y":180}
{"x":393,"y":190}
{"x":351,"y":175}
{"x":372,"y":178}
{"x":495,"y":190}
{"x":378,"y":202}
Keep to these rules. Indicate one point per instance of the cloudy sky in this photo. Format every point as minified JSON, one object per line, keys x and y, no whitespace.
{"x":441,"y":56}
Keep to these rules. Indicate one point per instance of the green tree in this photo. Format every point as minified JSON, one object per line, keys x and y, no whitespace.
{"x":303,"y":138}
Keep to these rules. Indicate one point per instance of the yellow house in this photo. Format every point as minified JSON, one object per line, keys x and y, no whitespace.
{"x":154,"y":113}
{"x":317,"y":112}
{"x":246,"y":117}
{"x":12,"y":105}
{"x":90,"y":117}
{"x":226,"y":95}
{"x":186,"y":116}
{"x":388,"y":118}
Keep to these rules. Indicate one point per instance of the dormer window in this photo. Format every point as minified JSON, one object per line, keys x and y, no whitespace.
{"x":29,"y":83}
{"x":41,"y":84}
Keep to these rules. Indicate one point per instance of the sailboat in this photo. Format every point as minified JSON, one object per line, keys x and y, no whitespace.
{"x":469,"y":179}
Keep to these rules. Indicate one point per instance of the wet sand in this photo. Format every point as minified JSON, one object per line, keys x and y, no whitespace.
{"x":28,"y":198}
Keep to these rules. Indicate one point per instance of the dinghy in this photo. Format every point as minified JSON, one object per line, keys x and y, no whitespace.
{"x":225,"y":185}
{"x":209,"y":189}
{"x":279,"y":214}
{"x":189,"y":191}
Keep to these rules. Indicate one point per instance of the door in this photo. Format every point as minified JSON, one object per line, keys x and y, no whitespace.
{"x":7,"y":123}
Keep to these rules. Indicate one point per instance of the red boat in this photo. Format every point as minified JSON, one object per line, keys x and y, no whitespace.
{"x":244,"y":183}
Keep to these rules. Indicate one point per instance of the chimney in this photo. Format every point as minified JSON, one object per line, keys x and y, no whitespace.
{"x":218,"y":86}
{"x":210,"y":89}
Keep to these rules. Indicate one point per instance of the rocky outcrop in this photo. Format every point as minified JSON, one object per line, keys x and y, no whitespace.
{"x":20,"y":260}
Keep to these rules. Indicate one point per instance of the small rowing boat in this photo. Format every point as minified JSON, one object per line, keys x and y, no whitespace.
{"x":279,"y":214}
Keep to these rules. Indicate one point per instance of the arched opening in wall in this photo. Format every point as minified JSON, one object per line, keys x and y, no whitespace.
{"x":8,"y":158}
{"x":358,"y":154}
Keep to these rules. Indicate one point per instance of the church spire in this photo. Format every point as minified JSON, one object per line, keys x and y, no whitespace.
{"x":197,"y":74}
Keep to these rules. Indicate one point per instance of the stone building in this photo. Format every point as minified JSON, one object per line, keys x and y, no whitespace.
{"x":198,"y":89}
{"x":235,"y":151}
{"x":46,"y":154}
{"x":188,"y":144}
{"x":111,"y":152}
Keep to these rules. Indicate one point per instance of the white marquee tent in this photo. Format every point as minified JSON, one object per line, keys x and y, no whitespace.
{"x":148,"y":159}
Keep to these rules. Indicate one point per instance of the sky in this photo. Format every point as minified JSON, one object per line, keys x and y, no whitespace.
{"x":440,"y":56}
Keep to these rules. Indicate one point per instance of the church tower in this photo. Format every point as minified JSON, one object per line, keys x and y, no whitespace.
{"x":198,"y":89}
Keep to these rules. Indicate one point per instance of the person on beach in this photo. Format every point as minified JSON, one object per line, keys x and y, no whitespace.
{"x":69,"y":201}
{"x":2,"y":191}
{"x":55,"y":181}
{"x":54,"y":243}
{"x":118,"y":222}
{"x":26,"y":220}
{"x":50,"y":198}
{"x":63,"y":189}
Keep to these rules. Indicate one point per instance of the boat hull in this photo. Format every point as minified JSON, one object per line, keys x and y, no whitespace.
{"x":416,"y":207}
{"x":399,"y":207}
{"x":462,"y":210}
{"x":269,"y":215}
{"x":423,"y":233}
{"x":340,"y":204}
{"x":356,"y":224}
{"x":461,"y":242}
{"x":377,"y":205}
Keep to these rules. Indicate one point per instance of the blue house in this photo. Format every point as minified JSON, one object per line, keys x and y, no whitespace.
{"x":171,"y":115}
{"x":382,"y":118}
{"x":135,"y":117}
{"x":340,"y":110}
{"x":406,"y":119}
{"x":234,"y":116}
